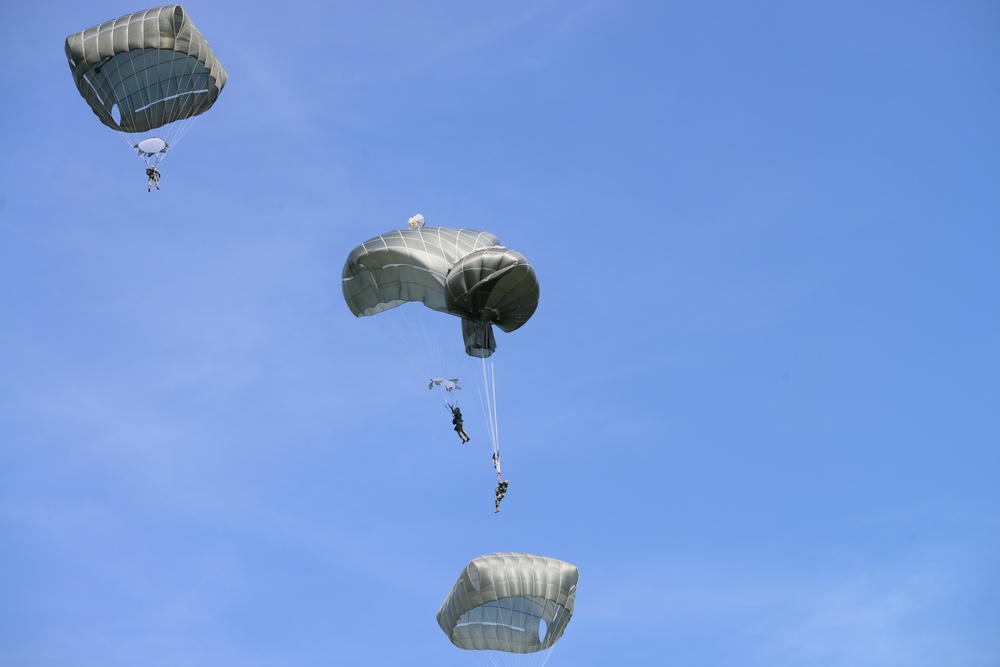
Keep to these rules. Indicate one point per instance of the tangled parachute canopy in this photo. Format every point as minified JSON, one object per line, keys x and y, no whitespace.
{"x":461,"y":272}
{"x":145,"y":70}
{"x":501,"y":600}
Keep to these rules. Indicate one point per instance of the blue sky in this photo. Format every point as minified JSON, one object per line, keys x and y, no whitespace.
{"x":756,"y":406}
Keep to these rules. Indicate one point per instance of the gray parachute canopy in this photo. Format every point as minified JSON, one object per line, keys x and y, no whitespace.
{"x":461,"y":272}
{"x":145,"y":70}
{"x":500,"y":600}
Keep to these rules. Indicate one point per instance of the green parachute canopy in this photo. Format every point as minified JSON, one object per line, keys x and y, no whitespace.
{"x":462,"y":272}
{"x":510,"y":602}
{"x":144,"y":71}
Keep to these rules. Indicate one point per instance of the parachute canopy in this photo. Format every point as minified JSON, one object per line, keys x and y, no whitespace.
{"x":145,"y":70}
{"x":462,"y":272}
{"x":501,"y":600}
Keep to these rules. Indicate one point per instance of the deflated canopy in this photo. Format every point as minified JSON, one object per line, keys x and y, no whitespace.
{"x":145,"y":70}
{"x":511,"y":602}
{"x":494,"y":285}
{"x":461,"y":272}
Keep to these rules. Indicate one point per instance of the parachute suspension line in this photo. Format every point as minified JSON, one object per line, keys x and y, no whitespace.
{"x":171,"y":132}
{"x":548,"y":654}
{"x":421,"y":332}
{"x":502,"y":659}
{"x":146,"y":111}
{"x":166,"y":130}
{"x":421,"y":347}
{"x":178,"y":129}
{"x":429,"y":346}
{"x":398,"y":339}
{"x":129,"y":138}
{"x":489,"y":398}
{"x":133,"y":137}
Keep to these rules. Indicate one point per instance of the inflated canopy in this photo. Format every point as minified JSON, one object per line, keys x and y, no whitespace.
{"x":501,"y":600}
{"x":462,"y":272}
{"x":145,"y":70}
